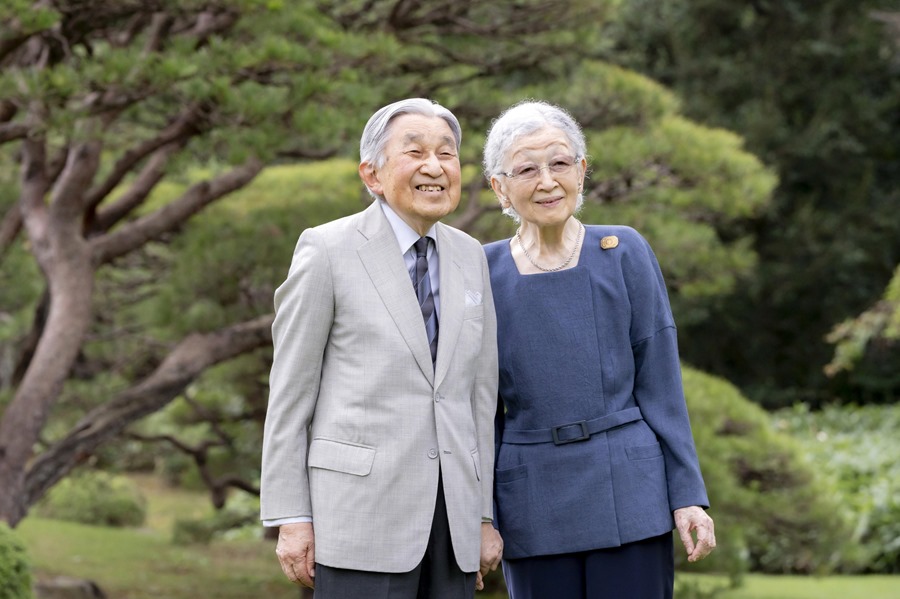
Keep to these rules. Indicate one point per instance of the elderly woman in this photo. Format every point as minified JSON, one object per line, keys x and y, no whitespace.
{"x":595,"y":459}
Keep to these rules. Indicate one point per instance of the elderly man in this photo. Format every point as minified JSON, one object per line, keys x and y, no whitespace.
{"x":378,"y":447}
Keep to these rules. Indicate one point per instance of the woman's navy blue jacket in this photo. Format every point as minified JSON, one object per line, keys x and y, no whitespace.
{"x":594,"y":445}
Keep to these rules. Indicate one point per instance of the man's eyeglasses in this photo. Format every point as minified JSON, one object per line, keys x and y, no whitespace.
{"x":529,"y":170}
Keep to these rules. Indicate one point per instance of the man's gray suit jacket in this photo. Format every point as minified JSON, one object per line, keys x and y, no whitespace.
{"x":360,"y":423}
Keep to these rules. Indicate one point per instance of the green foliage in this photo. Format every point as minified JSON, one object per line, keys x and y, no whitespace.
{"x":858,"y":450}
{"x":20,"y":281}
{"x":15,"y":572}
{"x":682,"y":183}
{"x":605,"y":95}
{"x":773,"y":513}
{"x":97,"y":498}
{"x":224,"y":411}
{"x":20,"y":288}
{"x":203,"y":531}
{"x":812,"y":87}
{"x":238,"y":519}
{"x":866,"y":348}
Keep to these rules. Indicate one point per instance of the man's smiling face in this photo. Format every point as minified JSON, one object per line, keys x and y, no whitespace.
{"x":420,"y":178}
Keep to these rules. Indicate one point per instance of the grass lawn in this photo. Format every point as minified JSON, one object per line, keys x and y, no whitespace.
{"x":144,"y":564}
{"x":757,"y":586}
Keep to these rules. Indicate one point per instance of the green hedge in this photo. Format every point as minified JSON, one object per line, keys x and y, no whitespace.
{"x":858,"y":450}
{"x":239,"y":516}
{"x":773,"y":511}
{"x":15,"y":572}
{"x":95,"y":498}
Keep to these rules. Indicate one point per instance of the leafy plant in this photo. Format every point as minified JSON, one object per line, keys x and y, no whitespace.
{"x":242,"y":514}
{"x":773,"y":512}
{"x":95,"y":497}
{"x":858,"y":451}
{"x":15,"y":571}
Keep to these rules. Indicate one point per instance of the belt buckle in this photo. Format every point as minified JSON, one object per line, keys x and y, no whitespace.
{"x":585,"y":435}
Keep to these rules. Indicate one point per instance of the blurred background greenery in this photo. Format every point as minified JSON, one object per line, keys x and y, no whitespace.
{"x":159,"y":160}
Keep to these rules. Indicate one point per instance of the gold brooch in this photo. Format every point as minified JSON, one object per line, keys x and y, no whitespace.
{"x":609,"y":242}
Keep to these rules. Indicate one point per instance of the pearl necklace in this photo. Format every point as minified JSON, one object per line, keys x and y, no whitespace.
{"x":555,"y":268}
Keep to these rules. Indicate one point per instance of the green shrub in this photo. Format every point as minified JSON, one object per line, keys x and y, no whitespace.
{"x":858,"y":450}
{"x":95,"y":498}
{"x":204,"y":530}
{"x":238,"y":519}
{"x":15,"y":573}
{"x":773,"y":512}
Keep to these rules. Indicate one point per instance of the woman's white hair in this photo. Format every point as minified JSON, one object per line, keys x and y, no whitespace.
{"x":377,"y":131}
{"x":522,"y":119}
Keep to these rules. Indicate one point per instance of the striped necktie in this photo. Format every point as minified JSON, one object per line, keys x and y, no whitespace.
{"x":422,"y":284}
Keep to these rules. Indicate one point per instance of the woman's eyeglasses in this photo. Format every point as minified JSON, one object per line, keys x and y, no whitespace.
{"x":529,"y":170}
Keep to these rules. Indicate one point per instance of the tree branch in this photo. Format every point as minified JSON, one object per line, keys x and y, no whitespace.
{"x":181,"y":129}
{"x":34,"y":188}
{"x":11,"y":44}
{"x":140,"y":189}
{"x":160,"y":26}
{"x":7,"y":110}
{"x":217,"y":486}
{"x":208,"y":24}
{"x":10,"y":227}
{"x":12,"y":131}
{"x":307,"y":153}
{"x":135,"y":234}
{"x":67,"y":202}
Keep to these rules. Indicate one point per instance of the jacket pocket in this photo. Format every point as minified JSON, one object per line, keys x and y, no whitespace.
{"x":643,"y":452}
{"x":476,"y":461}
{"x":341,"y":457}
{"x":473,"y":312}
{"x":511,"y":474}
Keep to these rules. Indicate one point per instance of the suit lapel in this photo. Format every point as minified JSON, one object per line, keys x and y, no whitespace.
{"x":452,"y":303}
{"x":380,"y":255}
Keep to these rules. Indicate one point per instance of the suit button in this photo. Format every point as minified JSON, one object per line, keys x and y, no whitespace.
{"x":438,"y":397}
{"x":432,"y":453}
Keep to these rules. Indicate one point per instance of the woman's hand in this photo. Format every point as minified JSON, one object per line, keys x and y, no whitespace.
{"x":695,"y":518}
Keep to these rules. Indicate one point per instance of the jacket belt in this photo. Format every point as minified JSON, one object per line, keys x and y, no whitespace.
{"x":573,"y":431}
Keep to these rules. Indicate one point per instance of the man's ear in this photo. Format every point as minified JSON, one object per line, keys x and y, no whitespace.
{"x":369,"y":176}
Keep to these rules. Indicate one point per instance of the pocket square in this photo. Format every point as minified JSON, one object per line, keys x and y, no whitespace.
{"x":473,"y":298}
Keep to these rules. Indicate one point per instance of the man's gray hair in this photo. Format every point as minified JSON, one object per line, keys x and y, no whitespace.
{"x":522,"y":119}
{"x":377,"y":131}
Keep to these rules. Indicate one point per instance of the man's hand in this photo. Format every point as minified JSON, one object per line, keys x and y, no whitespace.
{"x":695,"y":518}
{"x":296,"y":551}
{"x":491,"y":553}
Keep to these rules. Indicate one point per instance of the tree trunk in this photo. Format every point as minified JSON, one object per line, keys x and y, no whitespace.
{"x":54,"y":231}
{"x":67,"y":321}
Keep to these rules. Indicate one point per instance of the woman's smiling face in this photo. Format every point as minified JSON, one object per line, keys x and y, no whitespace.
{"x":547,"y":198}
